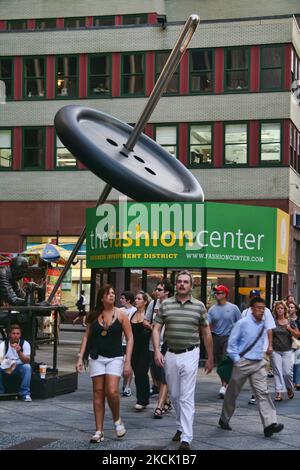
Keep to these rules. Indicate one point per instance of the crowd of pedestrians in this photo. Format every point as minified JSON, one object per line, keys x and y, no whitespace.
{"x":156,"y":339}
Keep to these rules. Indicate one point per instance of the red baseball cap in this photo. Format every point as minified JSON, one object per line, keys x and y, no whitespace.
{"x":222,"y":288}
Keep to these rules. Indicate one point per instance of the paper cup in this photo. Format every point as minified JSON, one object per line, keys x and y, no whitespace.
{"x":43,"y":370}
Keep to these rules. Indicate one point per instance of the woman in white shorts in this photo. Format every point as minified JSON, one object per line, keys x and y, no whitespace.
{"x":102,"y":342}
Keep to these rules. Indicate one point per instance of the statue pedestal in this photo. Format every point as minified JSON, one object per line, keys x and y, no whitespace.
{"x":55,"y":383}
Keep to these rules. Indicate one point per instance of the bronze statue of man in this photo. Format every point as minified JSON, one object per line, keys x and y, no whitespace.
{"x":10,"y":290}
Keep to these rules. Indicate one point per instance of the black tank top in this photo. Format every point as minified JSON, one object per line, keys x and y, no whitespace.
{"x":141,"y":336}
{"x":109,"y":345}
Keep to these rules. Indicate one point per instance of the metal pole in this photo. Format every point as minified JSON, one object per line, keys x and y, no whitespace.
{"x":107,"y":189}
{"x":164,"y":78}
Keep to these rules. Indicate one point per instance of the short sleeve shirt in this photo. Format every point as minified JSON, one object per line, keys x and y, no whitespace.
{"x":182,"y":322}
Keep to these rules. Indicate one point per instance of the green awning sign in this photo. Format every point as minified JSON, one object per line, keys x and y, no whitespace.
{"x":183,"y":235}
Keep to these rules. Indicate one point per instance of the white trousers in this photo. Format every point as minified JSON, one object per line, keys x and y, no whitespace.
{"x":282,"y":363}
{"x":181,"y":374}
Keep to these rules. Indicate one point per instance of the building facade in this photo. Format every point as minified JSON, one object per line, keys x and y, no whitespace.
{"x":230,"y":114}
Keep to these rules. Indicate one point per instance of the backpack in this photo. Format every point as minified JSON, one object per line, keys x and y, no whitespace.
{"x":7,"y":344}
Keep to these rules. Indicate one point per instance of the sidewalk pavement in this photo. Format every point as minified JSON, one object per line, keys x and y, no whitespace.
{"x":67,"y":421}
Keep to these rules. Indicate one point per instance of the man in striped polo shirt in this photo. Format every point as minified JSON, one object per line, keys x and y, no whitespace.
{"x":184,"y":317}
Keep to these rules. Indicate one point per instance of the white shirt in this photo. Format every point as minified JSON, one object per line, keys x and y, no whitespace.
{"x":269,"y":323}
{"x":12,"y":353}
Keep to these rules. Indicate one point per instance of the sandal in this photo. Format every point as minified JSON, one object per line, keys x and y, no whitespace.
{"x":167,"y":406}
{"x":290,"y":394}
{"x":278,"y":397}
{"x":158,"y":413}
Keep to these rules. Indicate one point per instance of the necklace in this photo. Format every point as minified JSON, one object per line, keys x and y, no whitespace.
{"x":106,"y":325}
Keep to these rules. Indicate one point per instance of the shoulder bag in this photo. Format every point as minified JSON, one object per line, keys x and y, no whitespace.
{"x":224,"y":369}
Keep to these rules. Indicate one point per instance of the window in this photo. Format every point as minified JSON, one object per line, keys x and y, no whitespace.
{"x":34,"y":77}
{"x":166,"y":136}
{"x":64,"y":159}
{"x":5,"y":149}
{"x":16,"y":25}
{"x":103,"y":20}
{"x":295,"y":66}
{"x":200,"y":145}
{"x":99,"y":75}
{"x":160,"y":60}
{"x":75,"y":22}
{"x":133,"y":80}
{"x":45,"y":23}
{"x":33,"y":148}
{"x":270,"y":142}
{"x":236,"y":144}
{"x":236,"y":69}
{"x":201,"y":71}
{"x":134,"y":19}
{"x":6,"y":76}
{"x":271,"y":67}
{"x":66,"y":76}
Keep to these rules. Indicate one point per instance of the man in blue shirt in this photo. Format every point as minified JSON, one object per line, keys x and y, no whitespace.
{"x":250,"y":365}
{"x":221,"y":317}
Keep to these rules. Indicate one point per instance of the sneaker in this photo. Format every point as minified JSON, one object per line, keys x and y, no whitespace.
{"x":120,"y":428}
{"x":139,"y":407}
{"x":127,"y":392}
{"x":252,"y":401}
{"x":222,"y":392}
{"x":176,"y":437}
{"x":184,"y":446}
{"x":27,"y":398}
{"x":97,"y":437}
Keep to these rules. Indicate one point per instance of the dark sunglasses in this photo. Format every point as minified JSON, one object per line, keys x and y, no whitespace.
{"x":159,"y":289}
{"x":219,"y":292}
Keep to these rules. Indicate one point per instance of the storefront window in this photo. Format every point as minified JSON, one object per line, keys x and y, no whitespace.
{"x":133,"y":74}
{"x":249,"y":281}
{"x":99,"y":75}
{"x":201,"y":71}
{"x":236,"y":69}
{"x":270,"y":142}
{"x":166,"y":136}
{"x":200,"y":149}
{"x":34,"y":77}
{"x":215,"y":278}
{"x":79,"y":275}
{"x":5,"y":149}
{"x":160,"y":60}
{"x":136,"y":276}
{"x":153,"y":277}
{"x":66,"y":77}
{"x":236,"y":144}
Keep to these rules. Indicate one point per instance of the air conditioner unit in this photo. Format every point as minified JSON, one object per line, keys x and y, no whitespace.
{"x":296,"y":220}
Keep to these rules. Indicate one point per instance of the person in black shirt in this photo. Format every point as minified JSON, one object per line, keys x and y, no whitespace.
{"x":102,"y":342}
